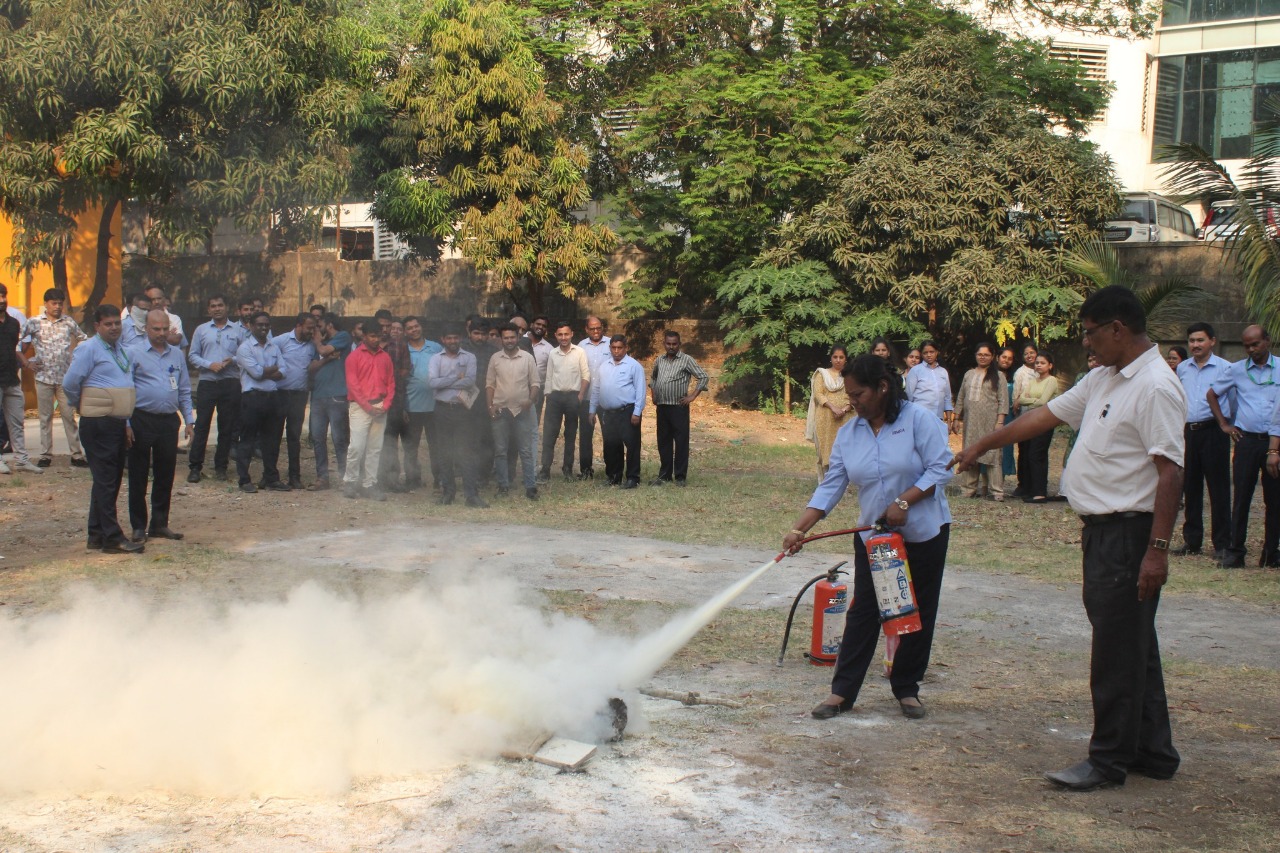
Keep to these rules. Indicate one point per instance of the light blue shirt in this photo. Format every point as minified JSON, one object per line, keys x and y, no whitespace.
{"x":929,"y":387}
{"x":161,"y":379}
{"x":1255,"y":392}
{"x":210,"y":343}
{"x":442,"y":375}
{"x":296,"y":356}
{"x":419,"y":395}
{"x":254,"y":358}
{"x":1197,"y":381}
{"x":618,"y":384}
{"x":911,"y":451}
{"x":597,"y":354}
{"x":96,"y":365}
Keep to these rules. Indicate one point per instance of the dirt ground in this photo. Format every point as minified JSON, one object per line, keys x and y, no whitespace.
{"x":1007,"y":695}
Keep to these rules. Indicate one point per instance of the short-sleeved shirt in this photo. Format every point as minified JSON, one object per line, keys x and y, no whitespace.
{"x":54,"y":340}
{"x":911,"y":451}
{"x":254,"y":358}
{"x":1123,"y":417}
{"x":1196,"y":381}
{"x":297,"y":357}
{"x":1254,"y":389}
{"x":330,"y":380}
{"x":419,"y":395}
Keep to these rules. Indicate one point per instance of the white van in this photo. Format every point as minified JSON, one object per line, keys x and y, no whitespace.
{"x":1220,"y":223}
{"x":1150,"y":218}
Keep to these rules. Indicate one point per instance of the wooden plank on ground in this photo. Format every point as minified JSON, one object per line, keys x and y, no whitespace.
{"x":528,"y":748}
{"x":565,"y":754}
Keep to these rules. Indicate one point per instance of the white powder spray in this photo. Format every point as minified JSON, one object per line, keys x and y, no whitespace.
{"x":306,"y":694}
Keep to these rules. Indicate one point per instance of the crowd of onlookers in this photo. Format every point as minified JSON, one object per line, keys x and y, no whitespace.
{"x":487,"y":400}
{"x":1228,"y":404}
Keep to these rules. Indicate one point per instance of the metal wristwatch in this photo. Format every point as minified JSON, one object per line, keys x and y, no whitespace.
{"x":903,"y":505}
{"x":1160,"y":544}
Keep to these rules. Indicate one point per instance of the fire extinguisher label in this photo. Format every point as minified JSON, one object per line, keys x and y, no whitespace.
{"x":833,"y":616}
{"x":891,"y":577}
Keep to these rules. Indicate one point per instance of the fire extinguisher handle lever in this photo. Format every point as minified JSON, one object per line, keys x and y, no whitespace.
{"x":835,"y":570}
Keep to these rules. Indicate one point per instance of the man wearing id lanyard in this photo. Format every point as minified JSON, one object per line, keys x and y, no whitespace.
{"x":1251,"y":383}
{"x":261,"y":368}
{"x":163,"y":388}
{"x":99,"y":383}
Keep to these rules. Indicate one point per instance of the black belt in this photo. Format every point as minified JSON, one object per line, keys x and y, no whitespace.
{"x":1112,"y":517}
{"x":155,"y":414}
{"x":1202,"y":424}
{"x":1261,"y":436}
{"x":259,"y":391}
{"x":451,"y":403}
{"x":620,"y":409}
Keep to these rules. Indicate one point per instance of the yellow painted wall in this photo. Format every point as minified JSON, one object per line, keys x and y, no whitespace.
{"x":26,"y":289}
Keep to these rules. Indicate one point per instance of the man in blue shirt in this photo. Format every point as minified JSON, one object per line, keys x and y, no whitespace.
{"x":420,"y":404}
{"x":99,"y":383}
{"x":1252,"y":384}
{"x":329,"y":400}
{"x":261,"y":368}
{"x":297,"y":351}
{"x":213,"y":355}
{"x":163,"y":389}
{"x":134,"y":323}
{"x":451,"y":374}
{"x":1208,"y":452}
{"x":617,"y":399}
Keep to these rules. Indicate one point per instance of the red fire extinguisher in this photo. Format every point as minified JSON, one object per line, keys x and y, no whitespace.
{"x":891,"y":578}
{"x":830,"y":604}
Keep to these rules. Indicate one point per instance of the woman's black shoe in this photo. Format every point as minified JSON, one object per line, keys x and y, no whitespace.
{"x":824,"y":711}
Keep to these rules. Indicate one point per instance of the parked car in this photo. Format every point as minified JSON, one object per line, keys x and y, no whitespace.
{"x":1150,"y":218}
{"x":1221,"y":224}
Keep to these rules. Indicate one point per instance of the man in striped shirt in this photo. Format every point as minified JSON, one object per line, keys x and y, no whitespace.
{"x":671,"y":397}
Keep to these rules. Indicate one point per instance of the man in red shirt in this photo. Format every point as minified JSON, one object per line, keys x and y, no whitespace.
{"x":371,"y":388}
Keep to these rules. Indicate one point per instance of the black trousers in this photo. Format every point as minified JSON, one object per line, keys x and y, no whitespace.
{"x":104,"y":449}
{"x":1247,"y":465}
{"x":586,"y":435}
{"x":621,"y":444}
{"x":261,"y":417}
{"x":420,"y":423}
{"x":673,"y":442}
{"x":862,"y":624}
{"x":154,"y":453}
{"x":561,"y":408}
{"x":456,"y":438}
{"x":293,"y":406}
{"x":1036,"y":475}
{"x":1208,"y":458}
{"x":1130,"y":712}
{"x":482,"y":424}
{"x":222,"y":395}
{"x":393,"y":436}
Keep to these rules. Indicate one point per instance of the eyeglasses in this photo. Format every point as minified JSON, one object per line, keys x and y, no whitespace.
{"x":1086,"y":331}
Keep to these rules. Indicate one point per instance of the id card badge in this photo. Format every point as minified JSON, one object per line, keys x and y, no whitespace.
{"x":173,"y":382}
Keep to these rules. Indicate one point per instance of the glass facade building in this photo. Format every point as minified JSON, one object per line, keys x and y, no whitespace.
{"x":1215,"y":100}
{"x":1179,"y":12}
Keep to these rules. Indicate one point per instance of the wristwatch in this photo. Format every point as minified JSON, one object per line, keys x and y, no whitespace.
{"x":902,"y":505}
{"x":1160,"y":544}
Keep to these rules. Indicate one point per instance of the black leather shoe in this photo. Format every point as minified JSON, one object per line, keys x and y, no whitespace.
{"x":1231,"y":562}
{"x":165,"y":533}
{"x":44,"y":462}
{"x":93,"y":543}
{"x":248,"y":488}
{"x":823,"y":711}
{"x":912,"y":712}
{"x":477,"y":502}
{"x":1079,"y":777}
{"x":194,"y":476}
{"x":1185,"y":551}
{"x":139,"y":535}
{"x":588,"y":474}
{"x":531,"y":494}
{"x":631,"y":484}
{"x":279,"y":486}
{"x":221,"y":475}
{"x":296,"y":483}
{"x":79,"y":463}
{"x":124,"y":546}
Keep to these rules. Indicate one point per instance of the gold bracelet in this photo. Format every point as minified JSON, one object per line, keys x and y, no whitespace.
{"x":800,"y":533}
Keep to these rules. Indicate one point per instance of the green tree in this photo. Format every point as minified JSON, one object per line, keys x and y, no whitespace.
{"x":196,"y":109}
{"x":482,"y":159}
{"x":965,"y":191}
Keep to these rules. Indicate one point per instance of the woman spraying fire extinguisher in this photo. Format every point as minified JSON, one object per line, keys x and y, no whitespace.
{"x":896,"y":454}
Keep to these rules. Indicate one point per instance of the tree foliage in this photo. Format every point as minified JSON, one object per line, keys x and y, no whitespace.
{"x":482,"y":160}
{"x":964,"y":193}
{"x":197,"y":109}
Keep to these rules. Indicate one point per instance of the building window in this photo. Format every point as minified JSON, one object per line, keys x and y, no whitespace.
{"x":1178,"y":12}
{"x":1215,"y":100}
{"x":1092,"y":59}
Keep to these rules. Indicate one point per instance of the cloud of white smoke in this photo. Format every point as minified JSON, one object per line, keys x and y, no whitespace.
{"x":285,"y":697}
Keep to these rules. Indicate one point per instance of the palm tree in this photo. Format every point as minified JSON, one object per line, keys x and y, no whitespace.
{"x":1193,"y":175}
{"x":1169,"y":304}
